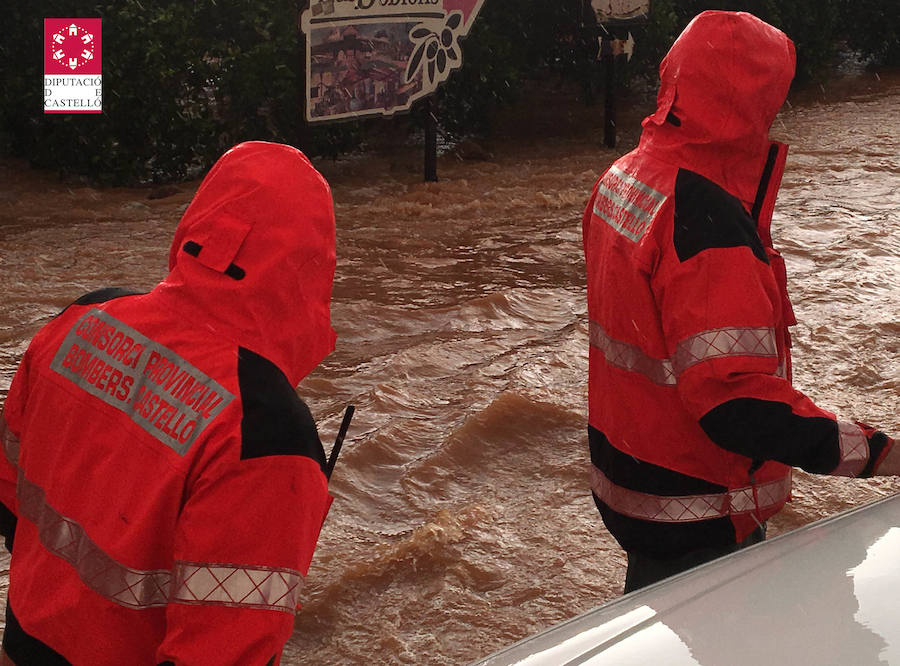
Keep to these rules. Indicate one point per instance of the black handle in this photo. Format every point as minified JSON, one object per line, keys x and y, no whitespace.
{"x":342,"y":432}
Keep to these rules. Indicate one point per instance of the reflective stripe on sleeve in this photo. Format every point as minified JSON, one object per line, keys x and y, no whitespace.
{"x":724,"y":342}
{"x":629,"y":357}
{"x":237,"y":585}
{"x":689,"y":508}
{"x":854,"y":450}
{"x":706,"y":345}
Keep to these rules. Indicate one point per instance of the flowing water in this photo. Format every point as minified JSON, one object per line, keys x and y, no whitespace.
{"x":462,"y":518}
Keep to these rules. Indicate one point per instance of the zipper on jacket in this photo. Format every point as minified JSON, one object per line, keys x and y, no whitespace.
{"x":764,"y":182}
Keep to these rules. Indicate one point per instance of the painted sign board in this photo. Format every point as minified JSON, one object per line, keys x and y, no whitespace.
{"x":621,"y":11}
{"x":377,"y":57}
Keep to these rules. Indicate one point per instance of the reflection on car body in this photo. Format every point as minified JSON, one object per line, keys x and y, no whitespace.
{"x":828,"y":593}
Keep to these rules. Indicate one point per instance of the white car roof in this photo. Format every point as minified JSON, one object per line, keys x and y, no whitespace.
{"x":828,"y":593}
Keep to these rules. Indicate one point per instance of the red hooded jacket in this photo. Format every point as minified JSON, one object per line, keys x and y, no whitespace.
{"x":164,"y":480}
{"x":694,"y":423}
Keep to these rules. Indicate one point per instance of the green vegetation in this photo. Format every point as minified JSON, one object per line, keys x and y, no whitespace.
{"x":184,"y":80}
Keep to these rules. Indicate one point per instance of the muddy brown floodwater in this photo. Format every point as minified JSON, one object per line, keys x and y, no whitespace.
{"x":462,"y":518}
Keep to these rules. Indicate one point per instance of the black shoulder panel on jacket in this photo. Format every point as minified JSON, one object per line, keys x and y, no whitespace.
{"x":275,"y":422}
{"x":707,"y":216}
{"x":105,"y":294}
{"x":769,"y":430}
{"x":101,"y":296}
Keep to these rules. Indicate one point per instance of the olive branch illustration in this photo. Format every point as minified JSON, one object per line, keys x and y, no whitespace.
{"x":436,"y":51}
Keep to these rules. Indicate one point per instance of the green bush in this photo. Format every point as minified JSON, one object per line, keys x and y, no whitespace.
{"x":182,"y":82}
{"x":813,"y":25}
{"x":872,"y":27}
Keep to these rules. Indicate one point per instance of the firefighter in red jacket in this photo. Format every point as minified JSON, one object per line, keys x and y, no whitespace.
{"x":693,"y":422}
{"x":163,"y":485}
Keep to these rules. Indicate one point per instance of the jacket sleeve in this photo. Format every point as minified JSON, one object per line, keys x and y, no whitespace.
{"x":722,"y":317}
{"x":246,"y":535}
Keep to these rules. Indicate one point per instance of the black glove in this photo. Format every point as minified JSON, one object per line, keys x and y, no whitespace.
{"x":880,"y":446}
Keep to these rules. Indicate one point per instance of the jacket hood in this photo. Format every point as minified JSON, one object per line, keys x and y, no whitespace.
{"x":254,"y":256}
{"x":721,"y":86}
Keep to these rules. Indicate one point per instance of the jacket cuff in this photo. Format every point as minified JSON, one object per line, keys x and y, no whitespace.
{"x":854,"y":450}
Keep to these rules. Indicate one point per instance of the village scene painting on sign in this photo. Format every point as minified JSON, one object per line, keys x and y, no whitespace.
{"x":377,"y":57}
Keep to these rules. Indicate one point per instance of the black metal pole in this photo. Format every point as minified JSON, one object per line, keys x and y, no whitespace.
{"x":609,"y":111}
{"x":430,"y":140}
{"x":302,"y":77}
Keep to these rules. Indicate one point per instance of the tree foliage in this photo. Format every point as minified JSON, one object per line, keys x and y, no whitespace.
{"x":873,"y":28}
{"x":182,"y":81}
{"x":185,"y":80}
